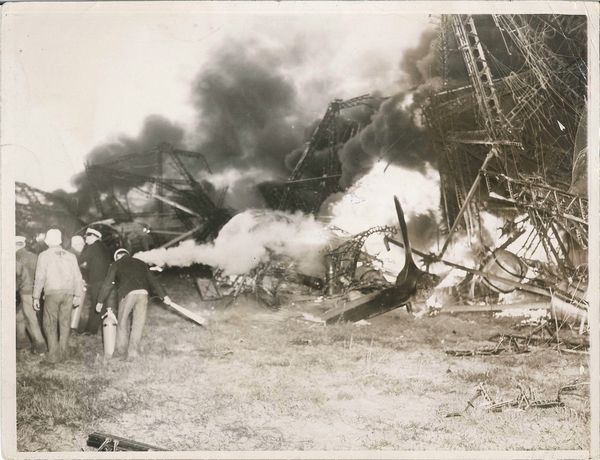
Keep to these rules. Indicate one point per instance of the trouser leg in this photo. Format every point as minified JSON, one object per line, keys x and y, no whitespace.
{"x":94,"y":318}
{"x":124,"y":315}
{"x":51,"y":326}
{"x":64,"y":324}
{"x":40,"y":313}
{"x":22,"y":340}
{"x":33,"y":326}
{"x":139,"y":319}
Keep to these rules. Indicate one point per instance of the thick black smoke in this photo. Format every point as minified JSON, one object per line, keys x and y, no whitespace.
{"x":249,"y":117}
{"x":248,"y":111}
{"x":394,"y":135}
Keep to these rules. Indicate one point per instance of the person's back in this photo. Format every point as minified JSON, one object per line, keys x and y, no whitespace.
{"x":56,"y":271}
{"x":134,"y":282}
{"x":133,"y":274}
{"x":57,"y":275}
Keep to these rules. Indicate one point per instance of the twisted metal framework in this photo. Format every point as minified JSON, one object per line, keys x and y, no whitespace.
{"x":329,"y":134}
{"x":528,"y":115}
{"x":344,"y":259}
{"x":36,"y":210}
{"x":182,"y":200}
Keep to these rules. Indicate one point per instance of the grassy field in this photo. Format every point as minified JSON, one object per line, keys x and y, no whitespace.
{"x":254,"y":379}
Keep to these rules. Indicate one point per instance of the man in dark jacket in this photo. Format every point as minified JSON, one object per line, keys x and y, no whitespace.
{"x":95,"y":260}
{"x":27,"y":320}
{"x":133,"y":281}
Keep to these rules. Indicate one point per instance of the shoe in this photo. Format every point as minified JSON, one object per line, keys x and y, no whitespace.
{"x":118,"y":356}
{"x":39,"y":350}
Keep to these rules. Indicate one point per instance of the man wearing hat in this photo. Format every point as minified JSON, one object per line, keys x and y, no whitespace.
{"x":95,"y":259}
{"x":26,"y":318}
{"x":57,"y":274}
{"x":134,"y":282}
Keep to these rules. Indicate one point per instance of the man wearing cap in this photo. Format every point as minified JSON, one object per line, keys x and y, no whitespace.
{"x":133,"y":281}
{"x":95,"y":259}
{"x":26,"y":318}
{"x":57,"y":274}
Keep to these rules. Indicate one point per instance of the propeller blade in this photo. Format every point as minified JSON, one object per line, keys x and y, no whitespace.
{"x":403,"y":229}
{"x":399,"y":211}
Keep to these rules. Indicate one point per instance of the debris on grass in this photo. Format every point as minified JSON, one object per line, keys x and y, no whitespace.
{"x":525,"y":399}
{"x":108,"y":442}
{"x":506,"y":343}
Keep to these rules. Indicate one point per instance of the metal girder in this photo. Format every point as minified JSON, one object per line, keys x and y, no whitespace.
{"x":128,"y":176}
{"x":547,"y":199}
{"x":325,"y":129}
{"x":200,"y":194}
{"x":449,"y":103}
{"x":479,"y":137}
{"x":480,"y":75}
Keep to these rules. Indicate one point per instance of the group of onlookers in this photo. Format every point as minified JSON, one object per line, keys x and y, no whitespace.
{"x":52,"y":282}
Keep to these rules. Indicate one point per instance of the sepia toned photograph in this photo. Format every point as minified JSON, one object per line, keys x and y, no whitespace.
{"x":282,"y":228}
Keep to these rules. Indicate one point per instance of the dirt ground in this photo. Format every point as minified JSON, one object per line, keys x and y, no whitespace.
{"x":256,"y":379}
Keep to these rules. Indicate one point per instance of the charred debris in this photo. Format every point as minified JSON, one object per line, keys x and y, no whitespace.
{"x":505,"y":114}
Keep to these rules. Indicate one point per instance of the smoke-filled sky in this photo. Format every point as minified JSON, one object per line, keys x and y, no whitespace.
{"x":84,"y":78}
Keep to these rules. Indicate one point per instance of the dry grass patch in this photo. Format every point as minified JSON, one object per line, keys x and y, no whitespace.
{"x":254,"y":379}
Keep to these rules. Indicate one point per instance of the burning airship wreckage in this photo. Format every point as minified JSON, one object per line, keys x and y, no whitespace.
{"x":499,"y":105}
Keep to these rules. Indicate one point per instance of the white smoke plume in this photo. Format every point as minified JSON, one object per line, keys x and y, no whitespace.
{"x":250,"y":238}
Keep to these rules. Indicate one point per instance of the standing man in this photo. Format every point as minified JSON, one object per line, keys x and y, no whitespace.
{"x":27,"y":321}
{"x":95,"y":259}
{"x":57,"y":274}
{"x":134,"y":282}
